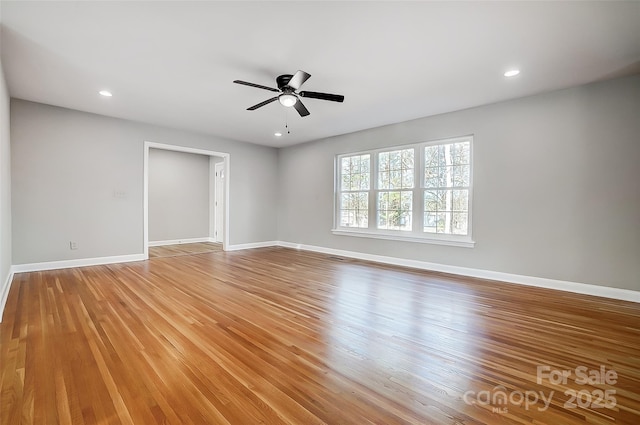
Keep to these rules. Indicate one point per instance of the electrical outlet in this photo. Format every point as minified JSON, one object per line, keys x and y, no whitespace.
{"x":73,"y":245}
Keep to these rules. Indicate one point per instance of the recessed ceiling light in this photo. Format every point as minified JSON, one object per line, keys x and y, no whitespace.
{"x":105,"y":93}
{"x":278,"y":134}
{"x":512,"y":73}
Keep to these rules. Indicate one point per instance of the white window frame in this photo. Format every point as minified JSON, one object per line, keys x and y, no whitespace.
{"x":416,"y":234}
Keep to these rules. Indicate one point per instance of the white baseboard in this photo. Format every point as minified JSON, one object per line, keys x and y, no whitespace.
{"x":82,"y":262}
{"x":560,"y":285}
{"x":252,"y":245}
{"x":5,"y":293}
{"x":181,"y":241}
{"x":575,"y":287}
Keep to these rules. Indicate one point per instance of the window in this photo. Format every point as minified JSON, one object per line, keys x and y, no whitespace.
{"x":447,"y":169}
{"x":355,"y":172}
{"x":394,"y":203}
{"x":420,"y":192}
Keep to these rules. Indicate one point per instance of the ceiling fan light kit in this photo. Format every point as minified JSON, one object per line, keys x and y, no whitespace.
{"x":288,"y":86}
{"x":287,"y":100}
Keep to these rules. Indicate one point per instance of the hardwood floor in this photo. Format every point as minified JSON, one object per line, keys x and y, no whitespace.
{"x":183,"y":249}
{"x":277,"y":336}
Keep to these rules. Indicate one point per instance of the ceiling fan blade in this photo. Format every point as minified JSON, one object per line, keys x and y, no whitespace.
{"x":302,"y":110}
{"x":298,"y":80}
{"x":255,"y":85}
{"x":323,"y":96}
{"x":261,"y":104}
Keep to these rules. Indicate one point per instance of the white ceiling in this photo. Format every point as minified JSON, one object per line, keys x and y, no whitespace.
{"x":173,"y":63}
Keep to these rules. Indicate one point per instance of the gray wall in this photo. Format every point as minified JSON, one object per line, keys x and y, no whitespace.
{"x":556,"y":186}
{"x":178,"y":195}
{"x":5,"y":190}
{"x":67,"y":166}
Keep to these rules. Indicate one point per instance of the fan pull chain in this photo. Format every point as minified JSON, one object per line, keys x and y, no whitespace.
{"x":286,"y":120}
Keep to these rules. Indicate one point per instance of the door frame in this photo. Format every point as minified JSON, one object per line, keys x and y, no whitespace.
{"x":227,"y":167}
{"x":218,"y":224}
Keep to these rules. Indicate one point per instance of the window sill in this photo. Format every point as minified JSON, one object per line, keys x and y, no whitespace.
{"x":450,"y":241}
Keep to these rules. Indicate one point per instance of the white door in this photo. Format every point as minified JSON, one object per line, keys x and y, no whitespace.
{"x":219,"y":203}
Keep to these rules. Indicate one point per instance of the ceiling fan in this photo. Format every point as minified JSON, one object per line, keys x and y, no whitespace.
{"x":288,"y":86}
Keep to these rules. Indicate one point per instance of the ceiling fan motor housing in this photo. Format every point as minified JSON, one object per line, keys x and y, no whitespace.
{"x":283,"y":80}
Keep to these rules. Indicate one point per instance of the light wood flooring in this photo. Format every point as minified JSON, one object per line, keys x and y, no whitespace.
{"x":183,"y":249}
{"x":278,"y":336}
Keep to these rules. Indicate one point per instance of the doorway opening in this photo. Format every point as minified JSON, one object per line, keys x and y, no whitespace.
{"x":219,"y":192}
